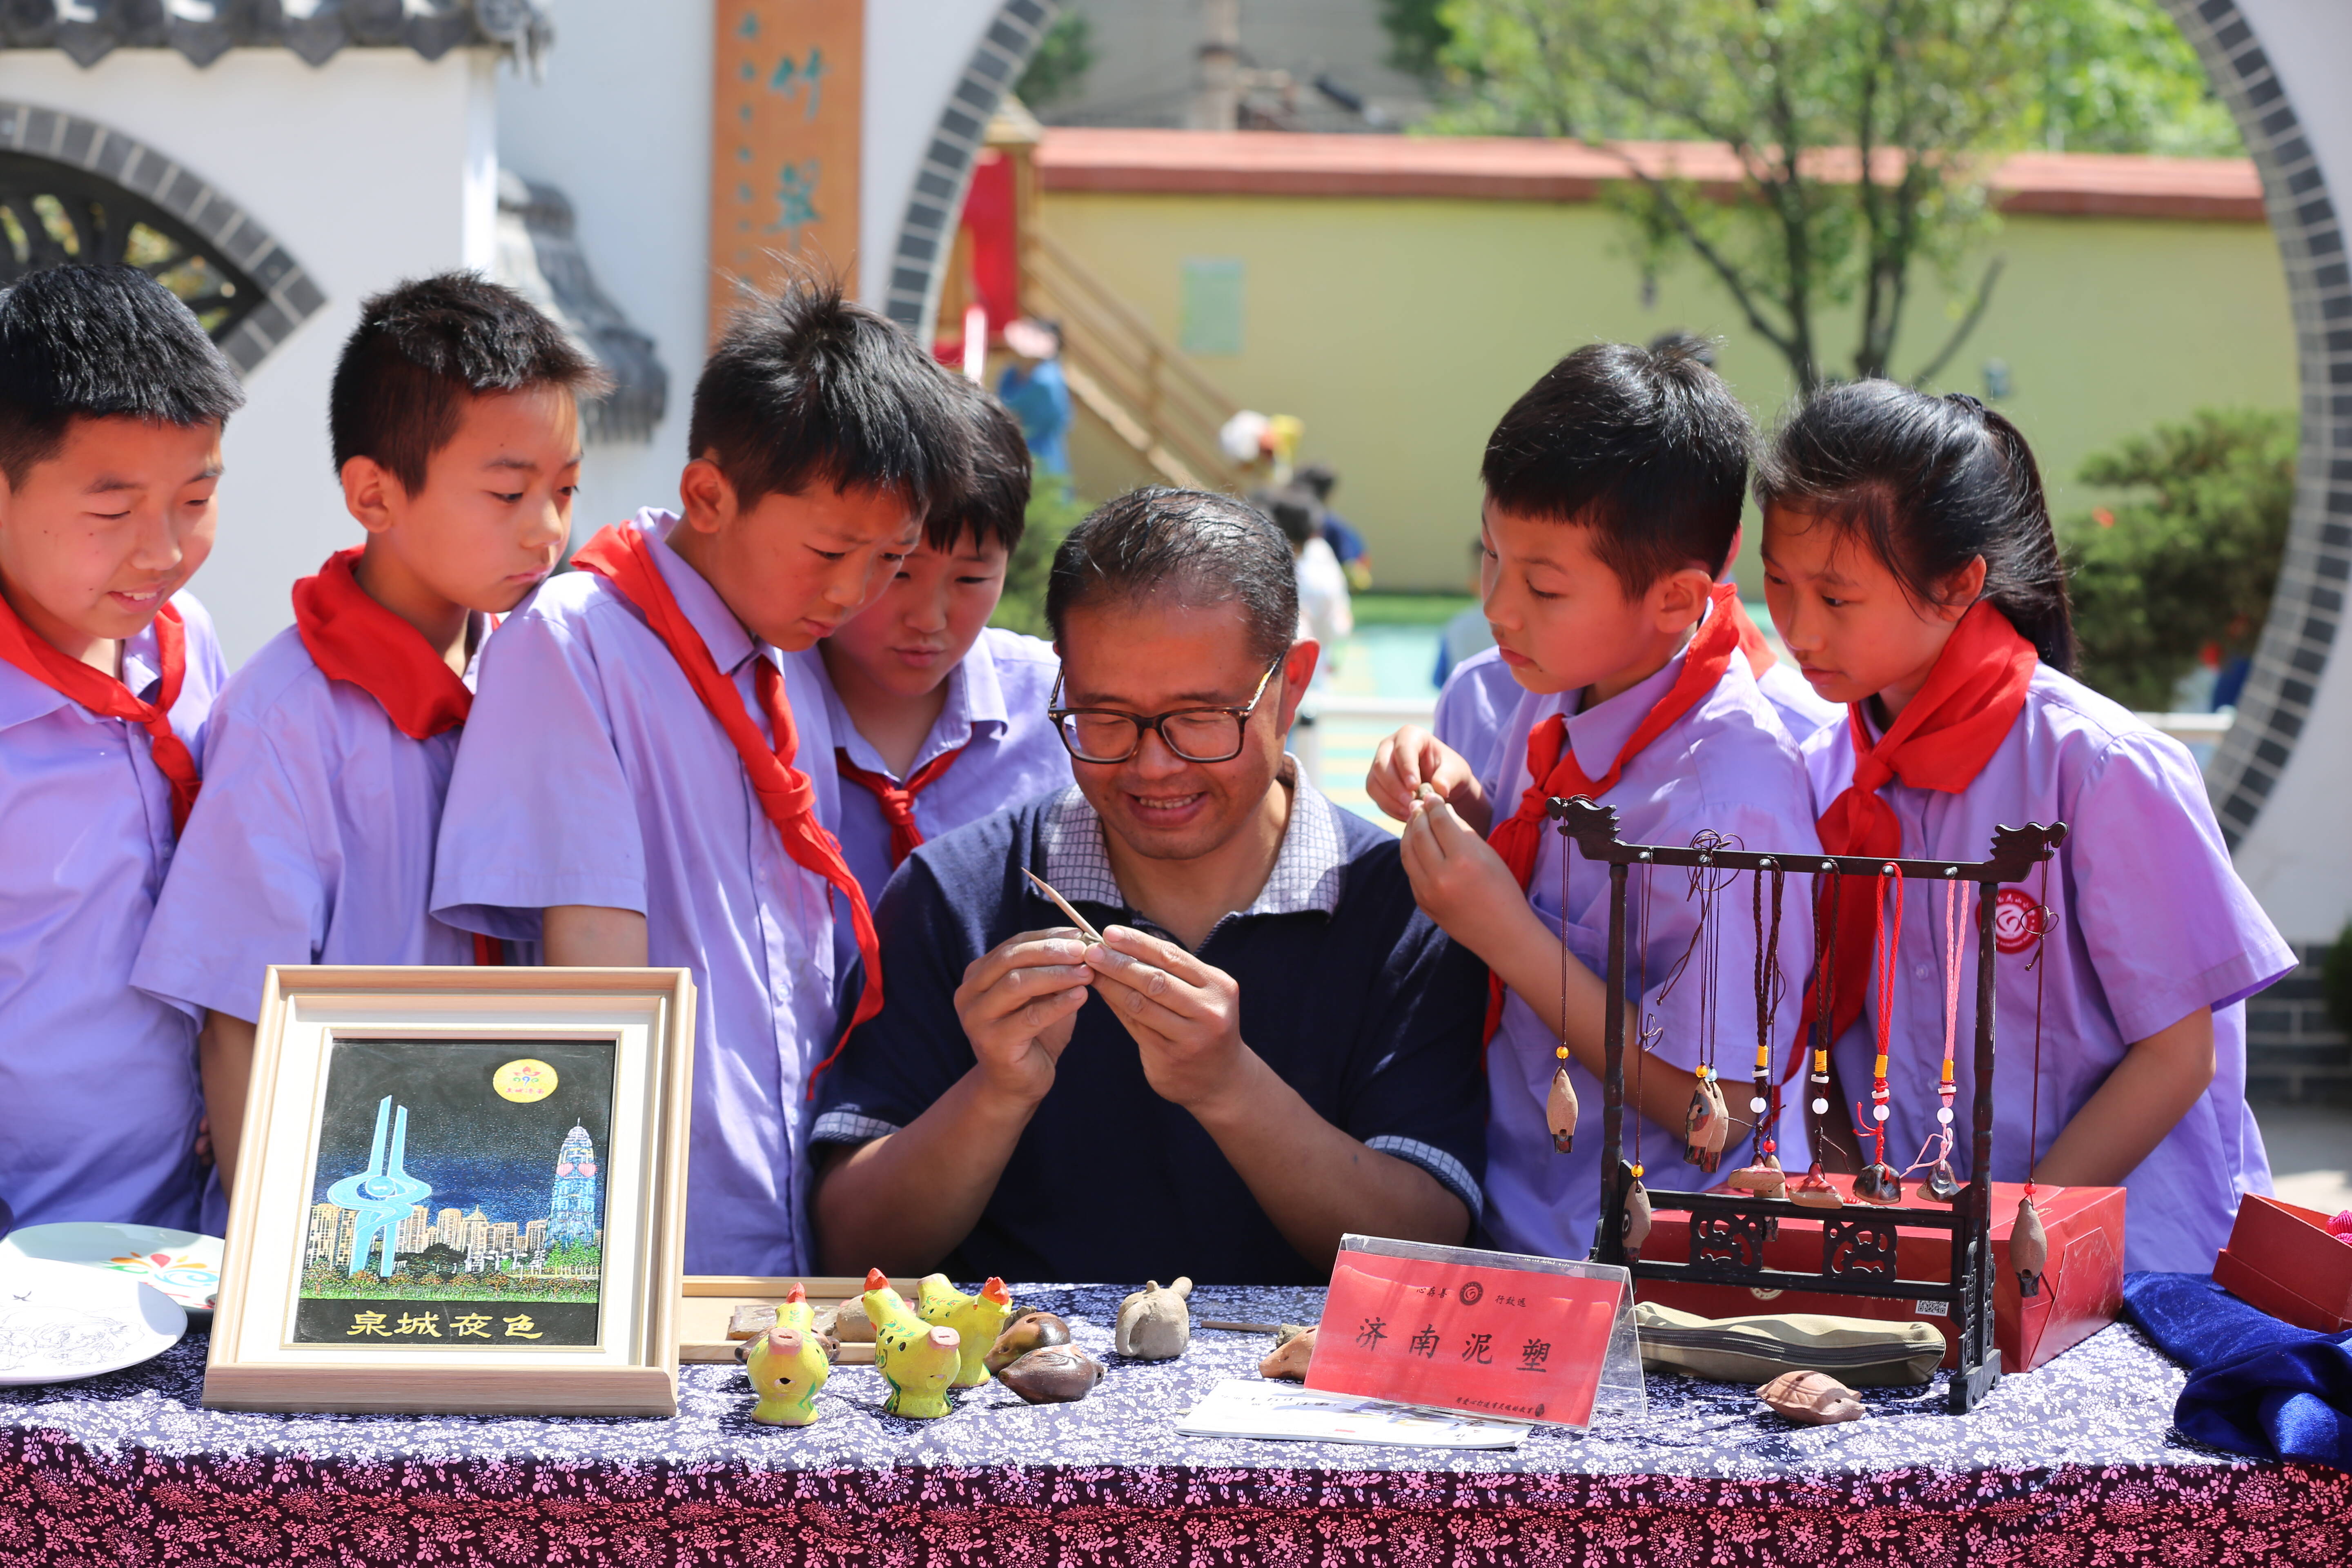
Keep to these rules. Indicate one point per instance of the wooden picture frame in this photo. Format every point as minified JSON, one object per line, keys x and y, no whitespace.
{"x":384,"y":1102}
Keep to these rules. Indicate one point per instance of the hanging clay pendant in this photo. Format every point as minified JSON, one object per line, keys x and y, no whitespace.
{"x":1764,"y":1178}
{"x":1705,"y":1126}
{"x":1815,"y":1398}
{"x":1941,"y":1186}
{"x":1878,"y":1183}
{"x":2029,"y":1248}
{"x":1559,"y":1112}
{"x":1637,"y":1216}
{"x":1813,"y":1191}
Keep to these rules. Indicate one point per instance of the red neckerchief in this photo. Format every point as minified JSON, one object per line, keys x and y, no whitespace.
{"x":353,"y":640}
{"x":108,"y":698}
{"x":1941,"y":741}
{"x":624,"y":557}
{"x":897,"y":800}
{"x":1761,"y":656}
{"x":1551,"y":760}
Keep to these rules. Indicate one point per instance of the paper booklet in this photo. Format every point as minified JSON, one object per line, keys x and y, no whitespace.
{"x":1241,"y":1408}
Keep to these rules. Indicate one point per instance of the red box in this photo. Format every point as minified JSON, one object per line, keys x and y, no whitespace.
{"x":2081,"y":1289}
{"x":2283,"y":1260}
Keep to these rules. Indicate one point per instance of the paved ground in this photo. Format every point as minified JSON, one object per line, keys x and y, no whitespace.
{"x":2311,"y":1154}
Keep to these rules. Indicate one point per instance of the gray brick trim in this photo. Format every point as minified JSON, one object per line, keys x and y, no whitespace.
{"x":88,"y":33}
{"x":927,"y":230}
{"x":292,"y":295}
{"x":2307,"y":610}
{"x":2296,"y":1054}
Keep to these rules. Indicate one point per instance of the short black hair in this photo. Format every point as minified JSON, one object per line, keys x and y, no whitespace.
{"x":1317,"y":477}
{"x":1295,"y":511}
{"x":994,"y":502}
{"x":1204,"y":548}
{"x":100,"y":342}
{"x":1646,"y":446}
{"x":804,"y":386}
{"x":422,"y":350}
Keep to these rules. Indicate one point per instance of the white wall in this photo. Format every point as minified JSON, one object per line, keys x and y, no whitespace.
{"x":622,"y":125}
{"x":377,"y":166}
{"x":2298,"y":857}
{"x":915,"y":51}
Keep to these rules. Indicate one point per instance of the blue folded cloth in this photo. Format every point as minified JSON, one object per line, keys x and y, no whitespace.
{"x":2256,"y":1385}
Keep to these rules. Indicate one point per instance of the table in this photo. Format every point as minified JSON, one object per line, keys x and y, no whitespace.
{"x":2071,"y":1465}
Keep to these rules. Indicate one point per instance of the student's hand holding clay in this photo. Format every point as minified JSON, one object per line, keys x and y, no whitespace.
{"x":1017,"y":1004}
{"x":1185,"y":1015}
{"x":1458,"y":880}
{"x":1413,"y":757}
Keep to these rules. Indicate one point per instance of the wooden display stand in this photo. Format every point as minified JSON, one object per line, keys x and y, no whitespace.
{"x":1728,"y":1231}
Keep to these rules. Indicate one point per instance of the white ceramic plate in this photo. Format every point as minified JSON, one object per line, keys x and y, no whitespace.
{"x":60,"y":1321}
{"x":182,"y":1264}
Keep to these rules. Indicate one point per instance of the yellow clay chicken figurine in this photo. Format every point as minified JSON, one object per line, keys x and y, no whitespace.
{"x":977,"y":1320}
{"x":917,"y":1359}
{"x":788,"y":1365}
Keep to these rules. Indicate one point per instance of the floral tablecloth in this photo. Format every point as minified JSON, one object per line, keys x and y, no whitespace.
{"x":2073,"y":1464}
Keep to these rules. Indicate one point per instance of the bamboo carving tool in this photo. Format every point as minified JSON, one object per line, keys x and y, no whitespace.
{"x":1063,"y":904}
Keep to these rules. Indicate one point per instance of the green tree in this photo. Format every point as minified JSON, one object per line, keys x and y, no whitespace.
{"x":1054,"y":510}
{"x":1864,"y":132}
{"x":2189,"y":560}
{"x":1419,"y":36}
{"x":1058,"y":69}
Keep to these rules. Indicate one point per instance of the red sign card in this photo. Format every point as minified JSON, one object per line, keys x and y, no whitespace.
{"x":1458,"y":1335}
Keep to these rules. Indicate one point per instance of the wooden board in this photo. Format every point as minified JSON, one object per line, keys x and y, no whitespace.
{"x":707,"y":1300}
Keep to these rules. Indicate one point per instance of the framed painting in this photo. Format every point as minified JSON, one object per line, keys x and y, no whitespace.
{"x":462,"y":1192}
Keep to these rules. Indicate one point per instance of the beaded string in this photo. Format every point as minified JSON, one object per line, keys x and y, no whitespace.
{"x":1824,"y":988}
{"x":1648,"y":1031}
{"x":1939,"y":1145}
{"x":2044,"y":921}
{"x":1705,"y":942}
{"x":1770,"y":984}
{"x":1886,"y":941}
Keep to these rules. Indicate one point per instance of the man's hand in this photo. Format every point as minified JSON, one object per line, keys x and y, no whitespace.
{"x":1458,"y":880}
{"x":1413,"y":757}
{"x":1186,"y":1016}
{"x":1018,"y":1004}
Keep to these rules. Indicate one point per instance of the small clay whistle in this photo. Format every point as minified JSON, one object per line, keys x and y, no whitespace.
{"x":1029,"y":1331}
{"x":1813,"y":1191}
{"x":1053,"y":1374}
{"x":1153,"y":1324}
{"x":851,"y":1325}
{"x":1559,"y":1112}
{"x":1941,"y":1186}
{"x":1290,"y":1357}
{"x":1878,"y":1183}
{"x":1705,"y":1126}
{"x":2029,"y":1248}
{"x":1637,"y":1216}
{"x":1815,"y":1398}
{"x":1764,"y":1178}
{"x":976,"y":1319}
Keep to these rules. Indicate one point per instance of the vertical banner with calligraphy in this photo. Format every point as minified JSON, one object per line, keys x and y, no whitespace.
{"x":787,"y":107}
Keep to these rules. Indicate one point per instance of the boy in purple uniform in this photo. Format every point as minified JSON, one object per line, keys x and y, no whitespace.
{"x":647,"y":771}
{"x":111,"y":405}
{"x":1613,"y":491}
{"x":457,"y":440}
{"x":938,"y":717}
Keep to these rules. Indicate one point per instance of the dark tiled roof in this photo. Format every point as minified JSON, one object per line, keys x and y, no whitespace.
{"x":202,"y":31}
{"x":540,"y":255}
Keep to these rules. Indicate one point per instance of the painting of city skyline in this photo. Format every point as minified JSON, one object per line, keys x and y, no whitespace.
{"x":458,"y":1194}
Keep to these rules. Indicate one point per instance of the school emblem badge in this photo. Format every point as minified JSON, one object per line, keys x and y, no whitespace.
{"x":2016,"y":920}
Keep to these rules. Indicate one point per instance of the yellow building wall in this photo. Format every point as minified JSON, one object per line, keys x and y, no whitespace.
{"x":1398,"y":330}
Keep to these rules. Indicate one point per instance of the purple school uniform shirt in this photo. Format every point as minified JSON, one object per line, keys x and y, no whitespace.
{"x":1725,"y":765}
{"x":995,"y":711}
{"x":313,"y":842}
{"x":592,"y":774}
{"x":99,"y":1096}
{"x":2152,"y":925}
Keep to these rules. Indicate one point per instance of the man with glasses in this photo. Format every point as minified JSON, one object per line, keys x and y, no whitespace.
{"x":1269,"y":1048}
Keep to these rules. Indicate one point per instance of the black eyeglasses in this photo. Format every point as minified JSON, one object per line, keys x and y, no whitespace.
{"x":1195,"y":734}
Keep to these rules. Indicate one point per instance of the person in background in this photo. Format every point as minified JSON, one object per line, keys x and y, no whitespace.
{"x":1325,"y":614}
{"x":1035,"y":389}
{"x":939,"y":718}
{"x":647,"y":777}
{"x":455,"y":431}
{"x":111,"y":405}
{"x":1338,"y":533}
{"x":1466,"y":633}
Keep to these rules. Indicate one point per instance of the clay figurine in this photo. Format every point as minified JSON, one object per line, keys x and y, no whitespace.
{"x":1054,"y":1374}
{"x":1941,"y":1186}
{"x":1029,"y":1331}
{"x":1878,"y":1183}
{"x":1815,"y":1398}
{"x":788,"y":1364}
{"x":1813,"y":1191}
{"x":1764,"y":1178}
{"x":1559,"y":1111}
{"x":916,"y":1358}
{"x":750,"y":1320}
{"x":2029,"y":1248}
{"x":851,"y":1326}
{"x":1637,"y":1216}
{"x":975,"y":1319}
{"x":1290,"y":1355}
{"x":1154,"y":1324}
{"x":1705,"y":1126}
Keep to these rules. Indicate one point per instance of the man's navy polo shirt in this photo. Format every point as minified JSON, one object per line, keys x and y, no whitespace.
{"x":1347,"y":992}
